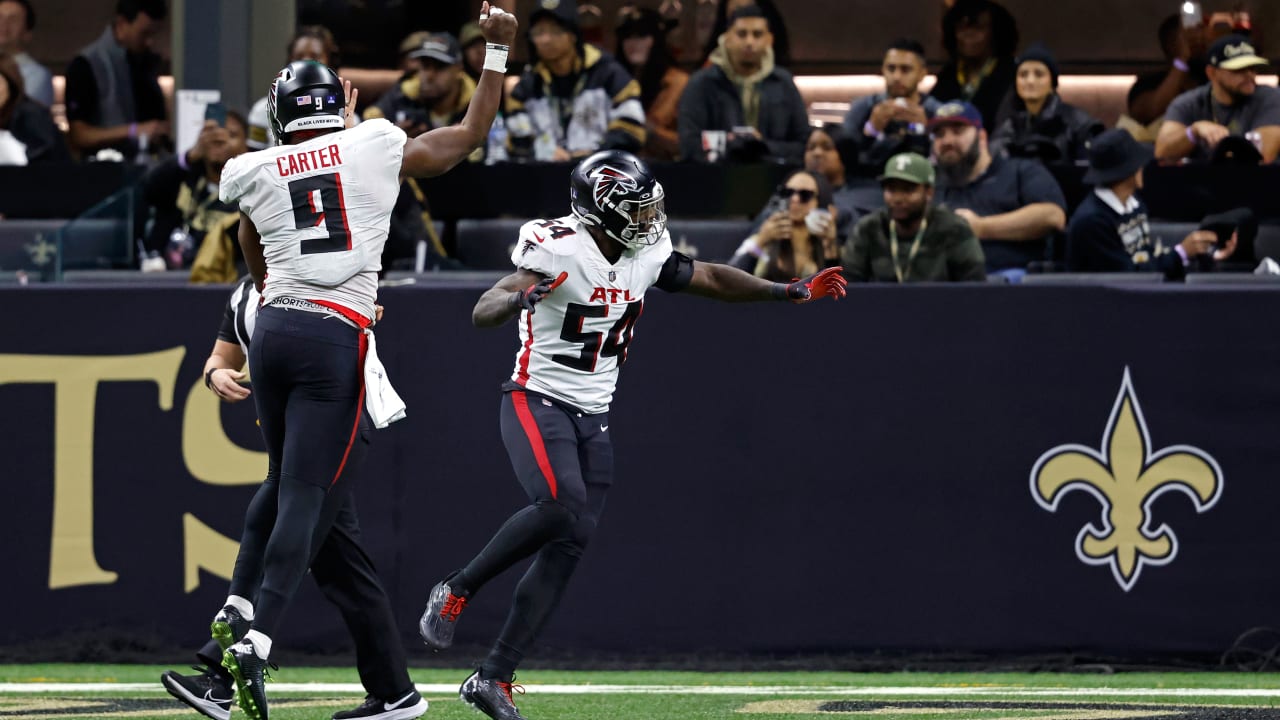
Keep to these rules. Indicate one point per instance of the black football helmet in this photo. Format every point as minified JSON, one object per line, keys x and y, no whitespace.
{"x":616,"y":192}
{"x":306,"y":95}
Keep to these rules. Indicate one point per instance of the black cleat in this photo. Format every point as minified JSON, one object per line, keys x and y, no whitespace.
{"x":491,"y":697}
{"x":229,"y":627}
{"x":407,"y":707}
{"x":441,"y":616}
{"x":210,"y":693}
{"x":250,"y":674}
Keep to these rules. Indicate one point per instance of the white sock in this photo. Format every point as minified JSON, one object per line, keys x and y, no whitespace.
{"x":261,"y":643}
{"x":242,"y":604}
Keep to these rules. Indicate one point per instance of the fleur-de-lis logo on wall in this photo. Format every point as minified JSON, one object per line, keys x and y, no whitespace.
{"x":1126,"y":477}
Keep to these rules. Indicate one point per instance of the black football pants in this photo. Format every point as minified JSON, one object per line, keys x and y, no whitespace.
{"x":564,"y":461}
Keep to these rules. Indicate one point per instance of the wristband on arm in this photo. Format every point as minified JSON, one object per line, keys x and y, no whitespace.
{"x":495,"y":57}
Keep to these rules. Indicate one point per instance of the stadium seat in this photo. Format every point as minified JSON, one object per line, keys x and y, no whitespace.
{"x":1267,"y":243}
{"x":1171,"y":233}
{"x":708,"y":240}
{"x":96,"y":243}
{"x":487,"y":244}
{"x":29,"y":245}
{"x":33,"y":246}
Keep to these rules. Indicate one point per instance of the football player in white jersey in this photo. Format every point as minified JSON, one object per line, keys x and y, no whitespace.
{"x":365,"y":607}
{"x":579,"y":291}
{"x":315,"y":213}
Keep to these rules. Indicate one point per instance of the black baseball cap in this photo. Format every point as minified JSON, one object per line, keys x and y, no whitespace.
{"x":441,"y":47}
{"x":1235,"y":52}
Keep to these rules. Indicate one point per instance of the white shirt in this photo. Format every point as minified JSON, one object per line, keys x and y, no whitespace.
{"x":12,"y":150}
{"x":572,"y":346}
{"x":323,"y":209}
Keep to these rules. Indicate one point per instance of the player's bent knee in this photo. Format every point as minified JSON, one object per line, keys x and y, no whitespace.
{"x":556,"y":516}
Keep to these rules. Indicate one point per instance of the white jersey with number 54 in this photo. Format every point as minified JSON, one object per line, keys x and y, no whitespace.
{"x":323,"y":209}
{"x":573,"y":344}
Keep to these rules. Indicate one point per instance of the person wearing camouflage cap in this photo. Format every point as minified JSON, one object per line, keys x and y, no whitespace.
{"x":911,"y":239}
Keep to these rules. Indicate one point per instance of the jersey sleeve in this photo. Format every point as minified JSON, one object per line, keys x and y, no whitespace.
{"x":229,"y":185}
{"x":531,"y":252}
{"x":227,"y":330}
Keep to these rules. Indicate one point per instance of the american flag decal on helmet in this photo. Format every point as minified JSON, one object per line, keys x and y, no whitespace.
{"x":610,"y":181}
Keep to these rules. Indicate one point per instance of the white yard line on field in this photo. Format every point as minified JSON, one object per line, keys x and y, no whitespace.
{"x":929,"y":691}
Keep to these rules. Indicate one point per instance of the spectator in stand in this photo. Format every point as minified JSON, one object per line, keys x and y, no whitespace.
{"x":1013,"y":205}
{"x":725,"y":10}
{"x":113,"y":94}
{"x":1035,"y":122}
{"x":980,"y":38}
{"x":573,"y":99}
{"x":17,"y":21}
{"x":1231,"y":105}
{"x":1109,"y":231}
{"x":799,"y":237}
{"x":891,"y":122}
{"x":911,"y":239}
{"x":743,"y":102}
{"x":1184,"y":49}
{"x":28,"y":135}
{"x":408,"y":64}
{"x":310,"y":42}
{"x":437,"y":95}
{"x":473,"y":48}
{"x":192,"y":226}
{"x":823,"y":156}
{"x":643,"y":51}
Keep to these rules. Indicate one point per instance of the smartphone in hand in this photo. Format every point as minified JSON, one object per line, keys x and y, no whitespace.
{"x":1192,"y":14}
{"x":217,"y":112}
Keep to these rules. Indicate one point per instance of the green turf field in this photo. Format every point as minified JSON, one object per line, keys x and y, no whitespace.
{"x":49,"y":692}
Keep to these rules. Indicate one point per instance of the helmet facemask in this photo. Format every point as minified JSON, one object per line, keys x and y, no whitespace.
{"x":641,"y":222}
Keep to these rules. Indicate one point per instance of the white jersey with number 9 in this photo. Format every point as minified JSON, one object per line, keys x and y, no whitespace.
{"x":323,"y":209}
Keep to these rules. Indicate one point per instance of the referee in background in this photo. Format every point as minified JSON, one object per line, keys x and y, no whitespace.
{"x":340,"y":566}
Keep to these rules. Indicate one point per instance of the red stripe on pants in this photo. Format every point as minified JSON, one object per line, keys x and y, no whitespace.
{"x":521,"y":401}
{"x":364,"y":347}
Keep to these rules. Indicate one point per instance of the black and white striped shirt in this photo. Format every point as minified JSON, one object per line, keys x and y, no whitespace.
{"x":241,"y":314}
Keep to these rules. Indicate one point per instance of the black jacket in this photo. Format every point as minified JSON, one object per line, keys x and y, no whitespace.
{"x":712,"y":102}
{"x":34,"y":127}
{"x":1059,"y":135}
{"x":991,"y":90}
{"x":1099,"y":239}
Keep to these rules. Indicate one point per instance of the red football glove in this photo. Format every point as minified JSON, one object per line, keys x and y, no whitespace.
{"x":528,"y":298}
{"x":822,"y":284}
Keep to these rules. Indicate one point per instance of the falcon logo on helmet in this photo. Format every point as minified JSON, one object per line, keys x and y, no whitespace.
{"x":611,"y":181}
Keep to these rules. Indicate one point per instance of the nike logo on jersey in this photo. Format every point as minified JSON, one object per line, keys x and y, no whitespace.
{"x":611,"y":295}
{"x":398,"y":703}
{"x":604,"y":428}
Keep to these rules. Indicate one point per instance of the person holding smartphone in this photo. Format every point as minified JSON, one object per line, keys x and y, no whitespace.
{"x":798,"y":235}
{"x":1182,"y":40}
{"x":1232,"y":105}
{"x":193,"y":229}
